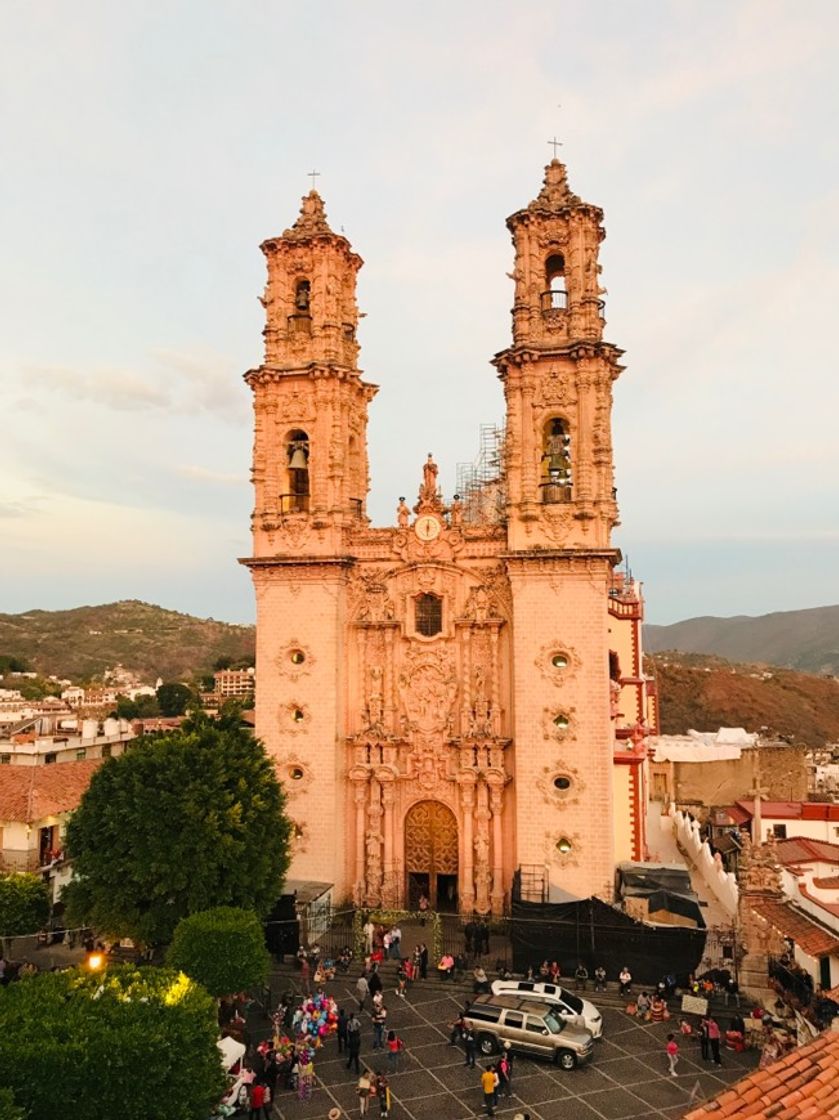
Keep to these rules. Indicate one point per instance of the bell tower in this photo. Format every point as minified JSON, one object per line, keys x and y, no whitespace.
{"x":310,"y":404}
{"x":558,"y":376}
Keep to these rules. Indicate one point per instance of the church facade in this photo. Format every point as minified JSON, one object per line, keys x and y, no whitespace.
{"x":441,"y":695}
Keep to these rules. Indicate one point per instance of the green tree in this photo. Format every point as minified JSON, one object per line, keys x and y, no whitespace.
{"x":138,"y":1044}
{"x":24,"y":904}
{"x":174,"y":699}
{"x":8,"y":1109}
{"x":140,"y":708}
{"x":181,"y":823}
{"x":223,"y":949}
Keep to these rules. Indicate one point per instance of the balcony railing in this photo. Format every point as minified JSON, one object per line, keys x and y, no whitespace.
{"x":555,"y":491}
{"x":554,"y":300}
{"x":293,"y":503}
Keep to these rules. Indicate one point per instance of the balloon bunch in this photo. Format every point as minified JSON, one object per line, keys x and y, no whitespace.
{"x":316,"y":1018}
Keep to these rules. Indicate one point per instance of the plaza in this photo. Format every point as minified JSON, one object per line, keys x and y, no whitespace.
{"x":626,"y":1078}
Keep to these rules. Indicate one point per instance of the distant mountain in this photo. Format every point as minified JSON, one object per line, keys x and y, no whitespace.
{"x":806,"y":640}
{"x":705,"y":693}
{"x":145,"y":639}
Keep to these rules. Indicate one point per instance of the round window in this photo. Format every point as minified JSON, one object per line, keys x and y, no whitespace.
{"x":561,"y":721}
{"x":297,"y":715}
{"x":295,"y":773}
{"x":559,"y":661}
{"x":297,"y":657}
{"x":562,"y":782}
{"x":563,"y":845}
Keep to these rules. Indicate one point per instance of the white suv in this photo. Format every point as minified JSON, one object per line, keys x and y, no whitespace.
{"x":571,"y":1007}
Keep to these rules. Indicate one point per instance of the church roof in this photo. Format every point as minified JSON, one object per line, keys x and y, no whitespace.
{"x":311,"y":220}
{"x":802,"y":1084}
{"x":801,"y":849}
{"x":815,"y":940}
{"x":555,"y":195}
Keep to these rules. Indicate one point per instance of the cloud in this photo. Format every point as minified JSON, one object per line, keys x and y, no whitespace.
{"x":205,"y":474}
{"x":119,"y":389}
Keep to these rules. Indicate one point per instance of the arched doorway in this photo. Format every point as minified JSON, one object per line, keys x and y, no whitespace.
{"x":431,"y":855}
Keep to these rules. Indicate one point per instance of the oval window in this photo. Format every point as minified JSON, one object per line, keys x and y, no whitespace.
{"x":561,"y":721}
{"x":562,"y":782}
{"x":563,"y":845}
{"x":295,"y":773}
{"x":297,"y":715}
{"x":297,"y":657}
{"x":559,"y":661}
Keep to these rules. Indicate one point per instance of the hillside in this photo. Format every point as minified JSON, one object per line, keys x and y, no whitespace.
{"x":706,"y":693}
{"x":145,"y":639}
{"x":806,"y":640}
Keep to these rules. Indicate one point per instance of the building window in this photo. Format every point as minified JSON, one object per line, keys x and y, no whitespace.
{"x":555,"y":297}
{"x":562,"y":782}
{"x":429,"y":615}
{"x":49,"y":758}
{"x":563,"y":846}
{"x":779,"y":831}
{"x":296,"y":773}
{"x":297,"y":657}
{"x":106,"y":750}
{"x":81,"y":755}
{"x":561,"y":721}
{"x":298,"y":715}
{"x":5,"y":759}
{"x":560,"y":661}
{"x":296,"y":498}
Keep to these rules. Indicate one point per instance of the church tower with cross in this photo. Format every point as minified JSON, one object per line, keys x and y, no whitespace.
{"x":442,"y":696}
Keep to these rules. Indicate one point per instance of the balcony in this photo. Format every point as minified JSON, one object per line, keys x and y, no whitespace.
{"x":293,"y":503}
{"x":555,"y":490}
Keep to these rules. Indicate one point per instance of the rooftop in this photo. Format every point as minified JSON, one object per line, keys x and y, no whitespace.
{"x":787,"y":810}
{"x":812,"y":938}
{"x":803,"y":1085}
{"x":30,"y":793}
{"x":800,"y":849}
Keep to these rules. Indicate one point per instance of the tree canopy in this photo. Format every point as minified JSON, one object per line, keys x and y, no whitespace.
{"x":8,"y":1109}
{"x":24,"y":903}
{"x":223,"y":949}
{"x":174,"y":699}
{"x":180,"y":823}
{"x":138,"y":1044}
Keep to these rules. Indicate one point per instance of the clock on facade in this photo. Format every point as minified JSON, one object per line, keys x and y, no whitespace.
{"x":427,"y":528}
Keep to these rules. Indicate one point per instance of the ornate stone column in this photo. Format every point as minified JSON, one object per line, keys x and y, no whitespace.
{"x":373,"y":845}
{"x":483,"y":874}
{"x":360,"y":796}
{"x":466,"y":780}
{"x":496,"y":798}
{"x":389,"y":884}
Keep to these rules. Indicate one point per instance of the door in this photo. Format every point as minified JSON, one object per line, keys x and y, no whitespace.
{"x":431,"y":852}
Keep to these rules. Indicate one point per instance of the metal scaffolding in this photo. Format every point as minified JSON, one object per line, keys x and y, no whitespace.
{"x":481,"y":483}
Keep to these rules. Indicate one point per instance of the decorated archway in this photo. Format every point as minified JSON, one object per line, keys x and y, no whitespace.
{"x":431,"y":855}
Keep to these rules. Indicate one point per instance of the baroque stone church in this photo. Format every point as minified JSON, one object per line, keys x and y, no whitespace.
{"x":441,"y":695}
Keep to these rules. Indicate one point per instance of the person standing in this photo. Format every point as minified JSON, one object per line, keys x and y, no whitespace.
{"x":383,"y":1093}
{"x":470,"y":1046}
{"x":395,"y":1046}
{"x":362,"y":990}
{"x":379,"y":1020}
{"x":342,"y":1030}
{"x":363,"y":1089}
{"x":396,"y":943}
{"x":374,"y":983}
{"x":353,"y":1042}
{"x":704,"y":1040}
{"x":502,"y":1068}
{"x":672,"y":1049}
{"x":260,"y":1109}
{"x":423,"y":907}
{"x":423,"y":961}
{"x":625,"y":981}
{"x":488,"y":1082}
{"x":732,"y":991}
{"x":510,"y":1059}
{"x":368,"y":929}
{"x":714,"y":1040}
{"x":305,"y":973}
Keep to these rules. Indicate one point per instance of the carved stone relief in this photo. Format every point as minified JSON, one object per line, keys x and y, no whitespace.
{"x":559,"y":723}
{"x":558,"y":675}
{"x":288,"y":665}
{"x":427,"y":689}
{"x":553,"y":794}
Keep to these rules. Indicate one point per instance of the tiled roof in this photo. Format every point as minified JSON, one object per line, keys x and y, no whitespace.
{"x":826,"y":904}
{"x":807,"y":934}
{"x":801,"y":849}
{"x":793,"y":810}
{"x":803,"y":1085}
{"x":31,"y":793}
{"x":827,"y":883}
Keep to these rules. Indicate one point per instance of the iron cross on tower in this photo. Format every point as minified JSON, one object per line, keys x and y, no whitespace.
{"x":313,"y":175}
{"x":555,"y":144}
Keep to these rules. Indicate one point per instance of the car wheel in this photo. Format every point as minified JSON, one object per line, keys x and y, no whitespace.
{"x":566,"y":1059}
{"x":487,"y":1044}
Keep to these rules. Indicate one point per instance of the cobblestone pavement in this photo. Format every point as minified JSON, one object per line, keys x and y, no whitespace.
{"x":626,"y":1078}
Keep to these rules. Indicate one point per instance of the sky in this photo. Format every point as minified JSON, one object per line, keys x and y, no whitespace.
{"x":147,"y":148}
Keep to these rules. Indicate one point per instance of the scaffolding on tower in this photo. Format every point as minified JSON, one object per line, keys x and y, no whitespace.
{"x":481,"y":483}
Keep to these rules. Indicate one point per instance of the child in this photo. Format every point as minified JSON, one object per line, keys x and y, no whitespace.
{"x":672,"y":1053}
{"x":395,"y":1046}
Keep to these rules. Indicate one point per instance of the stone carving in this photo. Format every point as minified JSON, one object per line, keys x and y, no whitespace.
{"x":759,"y":869}
{"x":555,"y":193}
{"x":480,"y":716}
{"x":427,"y":688}
{"x":563,"y":848}
{"x":402,"y":514}
{"x":373,"y":718}
{"x":483,"y":873}
{"x":294,"y":773}
{"x":373,"y":850}
{"x":554,"y":795}
{"x":310,"y":221}
{"x":558,"y":675}
{"x":289,"y":666}
{"x":428,"y":490}
{"x":371,"y":600}
{"x":456,"y":512}
{"x":559,"y":725}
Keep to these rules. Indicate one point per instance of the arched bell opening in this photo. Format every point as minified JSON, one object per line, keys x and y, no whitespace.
{"x":556,"y":485}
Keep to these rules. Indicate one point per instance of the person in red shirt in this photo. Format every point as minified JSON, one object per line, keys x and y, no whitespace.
{"x":672,"y":1053}
{"x":260,"y":1108}
{"x":714,"y":1039}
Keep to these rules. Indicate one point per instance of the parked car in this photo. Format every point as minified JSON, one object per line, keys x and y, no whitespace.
{"x":570,"y":1006}
{"x":531,"y":1027}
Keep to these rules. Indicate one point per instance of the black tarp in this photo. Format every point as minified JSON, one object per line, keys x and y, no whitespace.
{"x":591,"y":931}
{"x":675,"y":904}
{"x":643,"y":878}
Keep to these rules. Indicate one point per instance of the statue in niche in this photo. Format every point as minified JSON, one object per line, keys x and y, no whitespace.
{"x":480,"y":722}
{"x":373,"y":846}
{"x":483,"y":875}
{"x":375,"y":702}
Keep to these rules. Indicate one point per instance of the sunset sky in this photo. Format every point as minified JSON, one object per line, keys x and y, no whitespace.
{"x":148,"y":147}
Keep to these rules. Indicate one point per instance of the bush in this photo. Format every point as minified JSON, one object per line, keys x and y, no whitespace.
{"x":223,"y":949}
